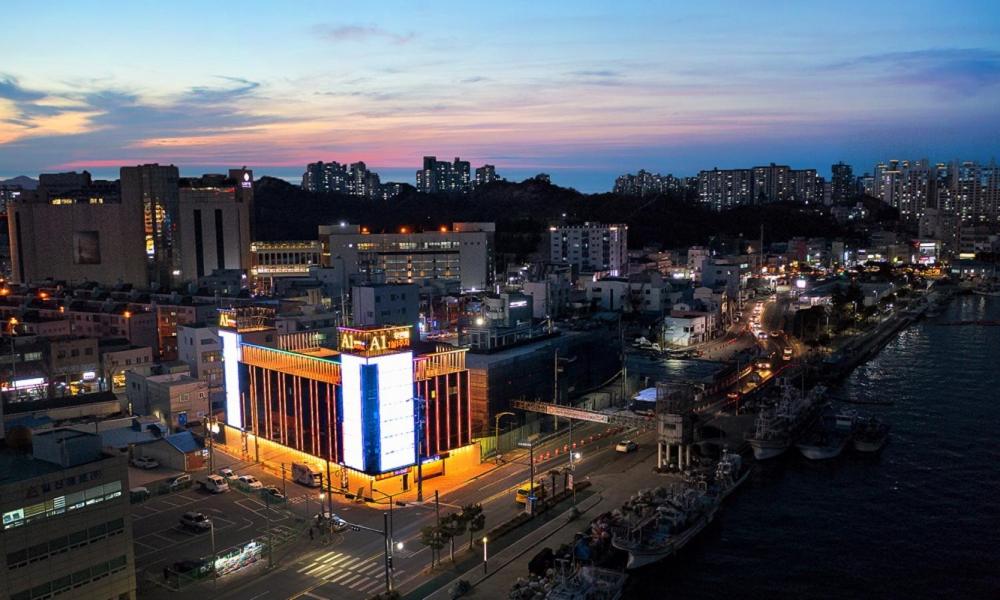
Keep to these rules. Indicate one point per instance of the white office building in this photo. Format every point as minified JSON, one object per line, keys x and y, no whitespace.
{"x":463,"y":253}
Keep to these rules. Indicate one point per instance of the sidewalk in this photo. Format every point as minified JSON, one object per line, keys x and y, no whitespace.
{"x":512,"y":562}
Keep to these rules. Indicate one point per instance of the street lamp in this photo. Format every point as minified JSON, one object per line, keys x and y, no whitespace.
{"x":496,"y":435}
{"x":484,"y":555}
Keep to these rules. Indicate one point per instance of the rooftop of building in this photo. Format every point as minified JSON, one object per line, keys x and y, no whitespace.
{"x":19,"y":462}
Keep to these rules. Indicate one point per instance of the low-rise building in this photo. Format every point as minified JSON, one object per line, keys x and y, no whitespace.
{"x":67,"y":531}
{"x":685,"y":328}
{"x":174,"y":398}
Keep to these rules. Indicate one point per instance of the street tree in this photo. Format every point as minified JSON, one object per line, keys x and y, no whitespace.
{"x":452,"y":526}
{"x":475,"y":518}
{"x":431,"y":537}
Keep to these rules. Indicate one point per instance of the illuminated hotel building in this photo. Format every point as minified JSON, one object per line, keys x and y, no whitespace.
{"x":365,"y":406}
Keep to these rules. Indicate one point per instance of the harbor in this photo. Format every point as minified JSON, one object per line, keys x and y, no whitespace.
{"x":674,"y":526}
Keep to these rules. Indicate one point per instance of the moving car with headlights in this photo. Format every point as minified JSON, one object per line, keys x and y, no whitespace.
{"x":626,"y":446}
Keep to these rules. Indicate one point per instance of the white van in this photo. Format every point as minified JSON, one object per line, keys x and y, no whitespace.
{"x":214,"y":484}
{"x":307,"y":475}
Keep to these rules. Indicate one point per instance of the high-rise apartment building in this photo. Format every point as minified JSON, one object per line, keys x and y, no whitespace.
{"x":842,"y":183}
{"x":354,"y":180}
{"x":728,"y":188}
{"x":487,"y":174}
{"x":442,"y":176}
{"x":591,"y":247}
{"x":154,"y":188}
{"x":645,"y":183}
{"x":967,"y":190}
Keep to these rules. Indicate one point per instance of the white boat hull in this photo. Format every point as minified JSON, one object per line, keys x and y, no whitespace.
{"x":821,"y":452}
{"x":766,"y":450}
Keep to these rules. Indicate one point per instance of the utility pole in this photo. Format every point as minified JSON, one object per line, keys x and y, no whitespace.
{"x":270,"y":539}
{"x":388,"y":549}
{"x":420,"y":446}
{"x":555,"y":386}
{"x":531,"y":482}
{"x":283,"y":480}
{"x":621,"y":348}
{"x":329,"y":490}
{"x":437,"y":508}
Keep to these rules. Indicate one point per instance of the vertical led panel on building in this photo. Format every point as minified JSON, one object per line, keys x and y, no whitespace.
{"x":397,"y":446}
{"x":351,"y":425}
{"x":231,"y":372}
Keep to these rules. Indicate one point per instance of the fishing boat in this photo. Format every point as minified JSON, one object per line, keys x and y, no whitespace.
{"x":730,"y":473}
{"x":668,"y":527}
{"x":777,"y":427}
{"x":829,"y":436}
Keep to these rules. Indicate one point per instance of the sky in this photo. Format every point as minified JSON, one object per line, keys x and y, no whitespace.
{"x":582,"y":90}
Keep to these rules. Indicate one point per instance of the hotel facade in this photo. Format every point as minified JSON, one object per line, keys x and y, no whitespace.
{"x":361,"y":412}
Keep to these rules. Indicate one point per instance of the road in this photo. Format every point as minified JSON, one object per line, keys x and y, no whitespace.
{"x":347,"y":565}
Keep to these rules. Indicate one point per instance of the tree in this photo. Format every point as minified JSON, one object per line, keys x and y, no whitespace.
{"x":452,"y":526}
{"x":475,"y":517}
{"x":431,"y":537}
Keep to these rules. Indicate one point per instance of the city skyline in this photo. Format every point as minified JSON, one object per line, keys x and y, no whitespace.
{"x":584,"y":93}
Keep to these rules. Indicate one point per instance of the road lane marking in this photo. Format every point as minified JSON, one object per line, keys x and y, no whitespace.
{"x":316,"y":596}
{"x":350,"y":579}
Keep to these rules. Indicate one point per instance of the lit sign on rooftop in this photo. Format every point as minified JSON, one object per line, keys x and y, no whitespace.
{"x":374,"y":342}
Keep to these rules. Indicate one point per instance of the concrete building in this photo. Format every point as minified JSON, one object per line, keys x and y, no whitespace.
{"x":119,"y":356}
{"x":526,"y":371}
{"x":727,"y":188}
{"x":67,"y":529}
{"x":199,"y":346}
{"x":86,"y":236}
{"x":464,"y":254}
{"x":177,"y":451}
{"x":174,"y":398}
{"x":385,"y":304}
{"x":487,"y":174}
{"x":591,"y":247}
{"x":213,"y":232}
{"x":498,"y":321}
{"x":442,"y":176}
{"x":354,"y":180}
{"x":271,"y":260}
{"x":153,"y":190}
{"x":843,"y":185}
{"x":685,"y":328}
{"x":550,"y":296}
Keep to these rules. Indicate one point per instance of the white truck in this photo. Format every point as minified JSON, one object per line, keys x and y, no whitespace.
{"x":307,"y":475}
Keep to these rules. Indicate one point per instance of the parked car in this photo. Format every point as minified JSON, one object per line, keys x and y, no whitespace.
{"x":762,"y":335}
{"x":251,"y":482}
{"x":195,"y":521}
{"x":228,"y":474}
{"x":214,"y":483}
{"x":626,"y":446}
{"x":776,"y":333}
{"x":143,"y":462}
{"x":273,"y":493}
{"x":138,"y":494}
{"x":181,"y":481}
{"x":787,"y":354}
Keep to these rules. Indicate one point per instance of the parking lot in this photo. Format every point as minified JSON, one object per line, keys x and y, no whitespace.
{"x":237,"y":516}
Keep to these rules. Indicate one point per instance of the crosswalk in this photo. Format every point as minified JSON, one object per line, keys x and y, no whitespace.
{"x":352,"y":572}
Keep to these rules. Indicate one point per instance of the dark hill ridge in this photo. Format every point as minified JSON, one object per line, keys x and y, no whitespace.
{"x":523,"y":212}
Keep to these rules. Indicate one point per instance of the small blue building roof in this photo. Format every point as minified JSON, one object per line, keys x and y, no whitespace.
{"x":183,"y":441}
